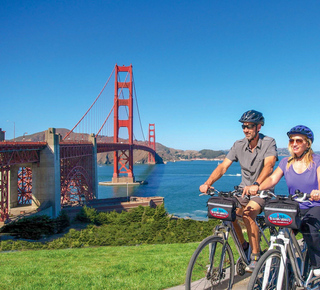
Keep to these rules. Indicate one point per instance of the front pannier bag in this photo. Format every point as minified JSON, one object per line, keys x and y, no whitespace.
{"x":282,"y":213}
{"x":223,"y":208}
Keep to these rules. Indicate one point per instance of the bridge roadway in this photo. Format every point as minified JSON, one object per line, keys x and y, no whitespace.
{"x":104,"y":147}
{"x":20,"y":152}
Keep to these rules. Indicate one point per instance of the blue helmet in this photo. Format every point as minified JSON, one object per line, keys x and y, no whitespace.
{"x":252,"y":116}
{"x":303,"y":130}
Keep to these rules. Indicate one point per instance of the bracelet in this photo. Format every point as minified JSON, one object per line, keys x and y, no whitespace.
{"x":256,"y":183}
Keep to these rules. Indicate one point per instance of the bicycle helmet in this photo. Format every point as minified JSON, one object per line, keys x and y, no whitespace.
{"x":252,"y":116}
{"x":303,"y":130}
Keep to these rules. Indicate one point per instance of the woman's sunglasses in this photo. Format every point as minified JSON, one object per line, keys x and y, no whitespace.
{"x":298,"y":141}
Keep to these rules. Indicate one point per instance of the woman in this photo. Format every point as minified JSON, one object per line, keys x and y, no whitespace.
{"x":302,"y":171}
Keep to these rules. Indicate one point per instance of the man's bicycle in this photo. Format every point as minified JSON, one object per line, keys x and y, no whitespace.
{"x":286,"y":264}
{"x":212,"y":264}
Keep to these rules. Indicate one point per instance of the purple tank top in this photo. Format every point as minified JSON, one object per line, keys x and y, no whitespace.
{"x":305,"y":182}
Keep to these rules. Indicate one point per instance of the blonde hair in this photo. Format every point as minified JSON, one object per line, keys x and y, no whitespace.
{"x":307,"y":158}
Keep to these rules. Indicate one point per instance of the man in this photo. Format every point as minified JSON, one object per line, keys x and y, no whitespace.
{"x":257,"y":155}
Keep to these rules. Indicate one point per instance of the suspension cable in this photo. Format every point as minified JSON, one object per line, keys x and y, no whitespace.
{"x":91,"y":105}
{"x":134,"y":89}
{"x":114,"y":103}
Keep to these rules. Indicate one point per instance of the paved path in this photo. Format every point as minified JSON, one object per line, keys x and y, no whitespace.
{"x":241,"y":283}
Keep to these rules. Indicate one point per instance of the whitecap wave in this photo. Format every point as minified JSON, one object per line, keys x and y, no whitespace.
{"x":195,"y":215}
{"x":237,"y":174}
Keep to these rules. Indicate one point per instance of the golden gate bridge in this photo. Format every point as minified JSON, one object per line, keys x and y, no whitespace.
{"x":62,"y":170}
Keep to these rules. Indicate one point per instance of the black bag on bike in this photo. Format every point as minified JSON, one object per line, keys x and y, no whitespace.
{"x":282,"y":213}
{"x":223,"y":208}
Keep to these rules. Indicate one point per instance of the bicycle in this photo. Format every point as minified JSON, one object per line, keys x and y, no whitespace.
{"x":212,"y":264}
{"x":286,"y":264}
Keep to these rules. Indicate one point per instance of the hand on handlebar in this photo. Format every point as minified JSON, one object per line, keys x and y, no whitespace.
{"x":250,"y":190}
{"x":204,"y":188}
{"x":315,"y":195}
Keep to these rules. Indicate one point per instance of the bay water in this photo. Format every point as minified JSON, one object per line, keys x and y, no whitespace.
{"x":178,"y":182}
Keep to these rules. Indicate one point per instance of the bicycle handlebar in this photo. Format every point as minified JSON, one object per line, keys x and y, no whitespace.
{"x":298,"y":196}
{"x":236,"y":192}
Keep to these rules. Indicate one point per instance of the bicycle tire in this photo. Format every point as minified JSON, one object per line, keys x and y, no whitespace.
{"x":315,"y":281}
{"x":256,"y":279}
{"x":198,"y":276}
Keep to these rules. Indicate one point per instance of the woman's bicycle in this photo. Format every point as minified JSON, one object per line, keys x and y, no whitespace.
{"x":212,"y":264}
{"x":286,"y":264}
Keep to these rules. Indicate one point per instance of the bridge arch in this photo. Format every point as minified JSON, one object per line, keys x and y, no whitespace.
{"x":76,"y":186}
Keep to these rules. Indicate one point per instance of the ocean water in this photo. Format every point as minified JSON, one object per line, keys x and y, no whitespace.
{"x":178,"y":183}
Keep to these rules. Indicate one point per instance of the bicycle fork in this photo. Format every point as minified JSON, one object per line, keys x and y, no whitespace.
{"x":282,"y":243}
{"x":278,"y":242}
{"x":212,"y":249}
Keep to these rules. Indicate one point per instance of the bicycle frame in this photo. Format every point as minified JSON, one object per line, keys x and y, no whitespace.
{"x":225,"y":229}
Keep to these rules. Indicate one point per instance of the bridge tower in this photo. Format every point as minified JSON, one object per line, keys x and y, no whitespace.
{"x":152,"y":143}
{"x":123,"y":159}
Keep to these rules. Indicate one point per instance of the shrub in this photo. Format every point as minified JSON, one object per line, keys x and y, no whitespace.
{"x":30,"y":227}
{"x":36,"y":227}
{"x":62,"y":222}
{"x":142,"y":225}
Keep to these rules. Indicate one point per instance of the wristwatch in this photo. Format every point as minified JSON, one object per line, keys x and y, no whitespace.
{"x":256,"y":183}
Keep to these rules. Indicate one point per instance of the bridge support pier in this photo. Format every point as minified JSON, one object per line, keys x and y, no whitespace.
{"x":13,"y":185}
{"x":95,"y":182}
{"x":46,"y":174}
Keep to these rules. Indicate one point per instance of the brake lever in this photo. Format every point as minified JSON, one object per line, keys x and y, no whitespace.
{"x":304,"y":197}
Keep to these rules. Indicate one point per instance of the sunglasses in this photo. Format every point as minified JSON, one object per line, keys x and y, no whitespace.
{"x":250,"y":126}
{"x":298,"y":141}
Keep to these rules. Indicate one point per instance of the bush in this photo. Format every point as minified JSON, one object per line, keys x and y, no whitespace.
{"x":36,"y":227}
{"x":30,"y":227}
{"x":142,"y":225}
{"x":62,"y":222}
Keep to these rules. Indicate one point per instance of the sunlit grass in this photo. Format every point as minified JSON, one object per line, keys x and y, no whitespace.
{"x":137,"y":267}
{"x":124,"y":267}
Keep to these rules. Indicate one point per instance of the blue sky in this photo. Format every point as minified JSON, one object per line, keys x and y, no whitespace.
{"x":198,"y":65}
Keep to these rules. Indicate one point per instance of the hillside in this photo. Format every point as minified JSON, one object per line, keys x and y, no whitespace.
{"x":164,"y":153}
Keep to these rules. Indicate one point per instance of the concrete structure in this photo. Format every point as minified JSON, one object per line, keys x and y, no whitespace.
{"x":2,"y":135}
{"x":45,"y":179}
{"x":46,"y":174}
{"x":95,"y":183}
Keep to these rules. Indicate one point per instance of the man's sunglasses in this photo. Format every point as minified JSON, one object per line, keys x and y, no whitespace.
{"x":298,"y":141}
{"x":250,"y":126}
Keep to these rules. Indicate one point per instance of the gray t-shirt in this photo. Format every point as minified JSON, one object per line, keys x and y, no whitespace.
{"x":252,"y":162}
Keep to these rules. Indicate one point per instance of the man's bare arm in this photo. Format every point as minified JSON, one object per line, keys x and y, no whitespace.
{"x":216,"y":174}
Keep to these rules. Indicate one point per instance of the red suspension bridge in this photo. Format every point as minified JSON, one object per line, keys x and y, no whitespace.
{"x":62,"y":170}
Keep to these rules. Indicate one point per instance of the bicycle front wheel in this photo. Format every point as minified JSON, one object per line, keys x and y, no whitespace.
{"x":266,"y":274}
{"x":211,"y":266}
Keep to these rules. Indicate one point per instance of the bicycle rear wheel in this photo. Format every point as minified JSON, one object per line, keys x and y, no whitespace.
{"x":267,"y":232}
{"x":267,"y":272}
{"x":210,"y":266}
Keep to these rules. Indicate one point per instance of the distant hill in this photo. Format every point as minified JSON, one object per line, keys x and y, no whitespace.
{"x":164,"y":153}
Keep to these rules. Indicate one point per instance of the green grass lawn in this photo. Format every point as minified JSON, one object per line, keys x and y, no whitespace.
{"x":124,"y":267}
{"x":136,"y":267}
